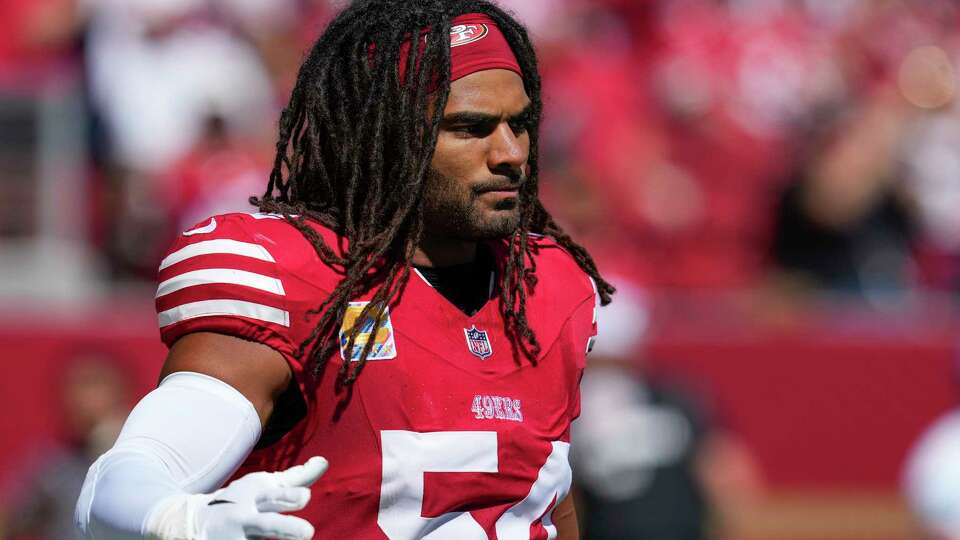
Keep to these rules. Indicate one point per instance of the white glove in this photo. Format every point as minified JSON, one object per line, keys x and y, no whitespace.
{"x":247,"y":508}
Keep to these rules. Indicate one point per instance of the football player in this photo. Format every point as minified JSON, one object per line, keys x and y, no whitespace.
{"x":402,"y":305}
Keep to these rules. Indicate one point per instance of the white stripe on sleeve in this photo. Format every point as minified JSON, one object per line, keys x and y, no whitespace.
{"x":210,"y":308}
{"x":596,"y":299}
{"x":221,"y":275}
{"x":221,"y":246}
{"x":270,"y":215}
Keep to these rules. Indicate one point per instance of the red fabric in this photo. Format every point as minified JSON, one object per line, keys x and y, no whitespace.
{"x":228,"y":258}
{"x":425,"y":384}
{"x":476,"y":44}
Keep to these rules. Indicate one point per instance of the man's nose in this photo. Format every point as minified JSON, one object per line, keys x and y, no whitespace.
{"x":507,"y":150}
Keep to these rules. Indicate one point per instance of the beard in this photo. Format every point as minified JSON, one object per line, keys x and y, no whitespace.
{"x":454,"y":210}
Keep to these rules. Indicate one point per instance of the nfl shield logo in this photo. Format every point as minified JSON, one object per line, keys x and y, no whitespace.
{"x":478,"y":342}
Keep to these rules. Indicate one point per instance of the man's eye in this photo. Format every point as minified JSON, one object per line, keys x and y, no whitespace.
{"x":473,"y":130}
{"x":519,"y":128}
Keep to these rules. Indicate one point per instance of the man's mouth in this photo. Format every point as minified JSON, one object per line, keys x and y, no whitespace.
{"x":506,"y":190}
{"x":498,"y":187}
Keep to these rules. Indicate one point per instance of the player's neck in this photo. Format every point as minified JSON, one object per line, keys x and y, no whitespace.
{"x":440,"y":252}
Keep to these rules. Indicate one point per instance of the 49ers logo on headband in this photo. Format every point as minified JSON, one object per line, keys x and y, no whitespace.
{"x":462,"y":34}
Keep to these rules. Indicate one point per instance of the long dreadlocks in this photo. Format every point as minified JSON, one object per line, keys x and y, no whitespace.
{"x":354,"y":151}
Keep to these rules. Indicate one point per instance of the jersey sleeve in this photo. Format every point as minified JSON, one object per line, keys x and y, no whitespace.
{"x":594,"y":316}
{"x":218,"y":277}
{"x":582,"y":335}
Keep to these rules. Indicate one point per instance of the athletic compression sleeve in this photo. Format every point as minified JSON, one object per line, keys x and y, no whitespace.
{"x":187,"y":436}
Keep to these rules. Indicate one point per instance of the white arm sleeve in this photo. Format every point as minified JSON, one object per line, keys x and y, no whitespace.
{"x":187,"y":436}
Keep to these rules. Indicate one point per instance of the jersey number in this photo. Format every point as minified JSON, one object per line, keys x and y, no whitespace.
{"x":407,"y":455}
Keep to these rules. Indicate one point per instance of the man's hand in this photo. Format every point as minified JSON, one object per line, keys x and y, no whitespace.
{"x":247,"y":508}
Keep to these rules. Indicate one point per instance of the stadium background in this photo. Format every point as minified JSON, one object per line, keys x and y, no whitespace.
{"x":778,"y":181}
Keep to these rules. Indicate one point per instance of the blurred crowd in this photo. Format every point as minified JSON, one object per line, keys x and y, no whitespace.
{"x":692,"y":144}
{"x":801,"y":146}
{"x":94,"y":395}
{"x":717,"y":145}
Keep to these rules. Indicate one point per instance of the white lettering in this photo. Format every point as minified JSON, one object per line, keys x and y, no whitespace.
{"x":496,"y":407}
{"x":408,"y":455}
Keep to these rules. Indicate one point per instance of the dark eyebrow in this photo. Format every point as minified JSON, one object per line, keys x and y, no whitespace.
{"x":469,"y":117}
{"x":473,"y":117}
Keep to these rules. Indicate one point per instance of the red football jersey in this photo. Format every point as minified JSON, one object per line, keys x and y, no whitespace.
{"x":445,"y":435}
